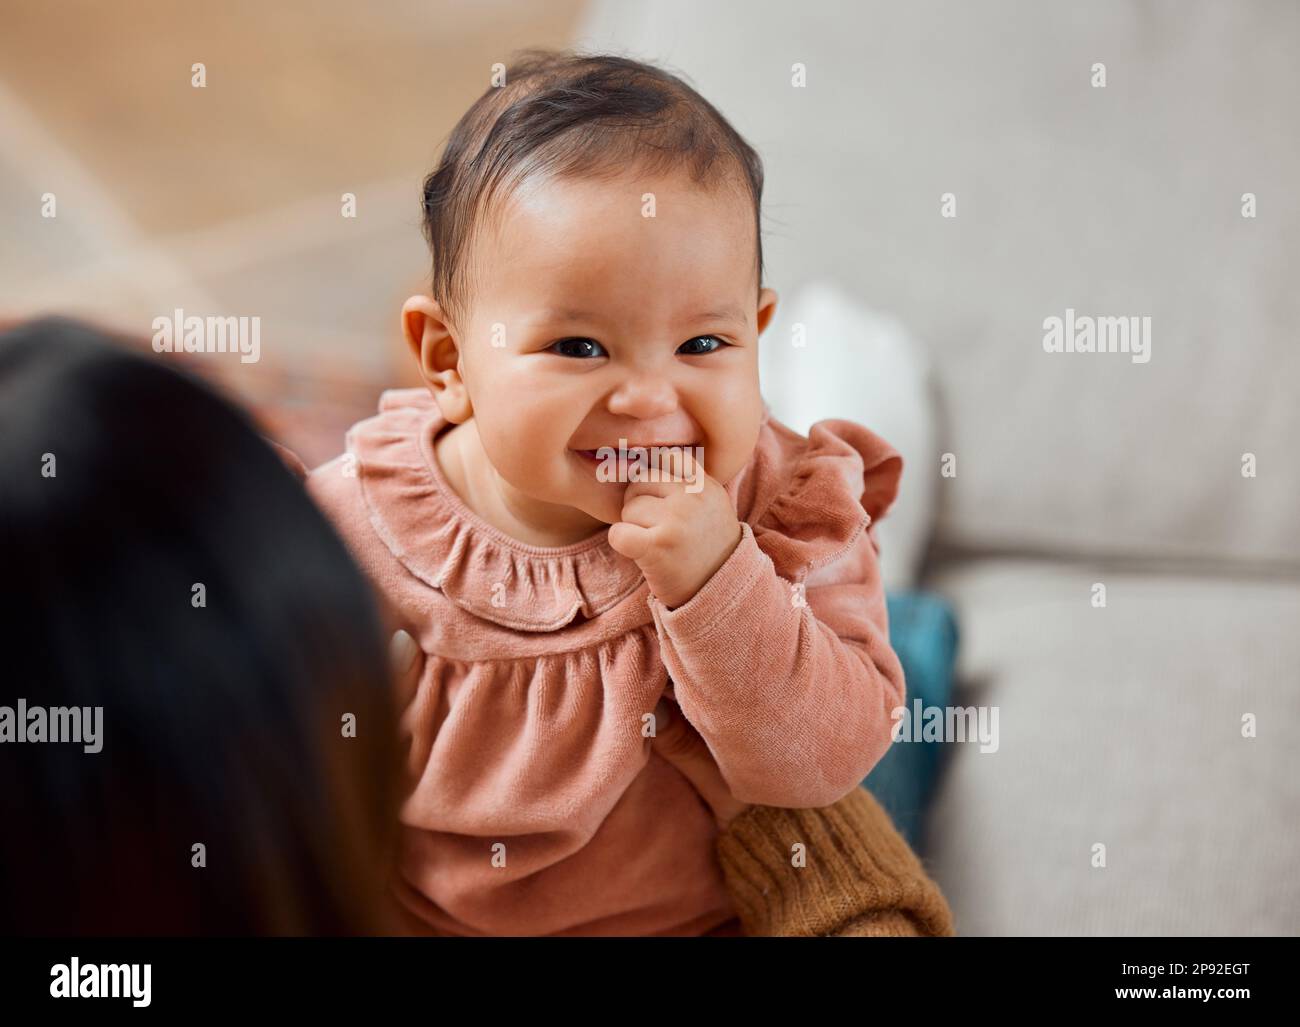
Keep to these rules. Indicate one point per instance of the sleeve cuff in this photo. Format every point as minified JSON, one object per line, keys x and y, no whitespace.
{"x":730,"y":586}
{"x":860,"y":879}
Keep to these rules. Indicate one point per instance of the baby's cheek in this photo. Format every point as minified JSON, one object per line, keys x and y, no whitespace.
{"x":734,"y":441}
{"x":507,"y":422}
{"x":517,"y":457}
{"x":523,"y":451}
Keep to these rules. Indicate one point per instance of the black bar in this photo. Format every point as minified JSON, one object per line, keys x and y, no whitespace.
{"x":467,"y":978}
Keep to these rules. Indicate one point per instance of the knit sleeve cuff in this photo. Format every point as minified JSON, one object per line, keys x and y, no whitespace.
{"x":858,"y":878}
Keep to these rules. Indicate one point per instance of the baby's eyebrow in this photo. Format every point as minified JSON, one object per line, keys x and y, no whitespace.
{"x":723,"y":314}
{"x":564,"y":314}
{"x":554,"y":314}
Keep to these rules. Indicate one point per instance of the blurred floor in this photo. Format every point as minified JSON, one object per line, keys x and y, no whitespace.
{"x":227,"y":199}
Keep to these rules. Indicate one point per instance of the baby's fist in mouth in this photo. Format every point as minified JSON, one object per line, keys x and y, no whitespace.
{"x":678,"y":537}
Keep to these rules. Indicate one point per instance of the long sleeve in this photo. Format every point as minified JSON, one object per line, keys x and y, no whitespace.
{"x":859,"y":878}
{"x":791,"y":688}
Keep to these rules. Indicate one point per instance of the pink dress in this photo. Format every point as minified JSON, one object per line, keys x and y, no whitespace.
{"x":536,"y":804}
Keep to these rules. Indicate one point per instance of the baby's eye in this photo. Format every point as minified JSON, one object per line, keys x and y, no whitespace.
{"x":701,"y":344}
{"x":579,"y":348}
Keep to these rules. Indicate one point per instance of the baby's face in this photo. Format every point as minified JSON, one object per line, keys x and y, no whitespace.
{"x":591,"y":323}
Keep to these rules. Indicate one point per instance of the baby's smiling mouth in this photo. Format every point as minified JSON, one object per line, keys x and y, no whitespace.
{"x":607,"y":452}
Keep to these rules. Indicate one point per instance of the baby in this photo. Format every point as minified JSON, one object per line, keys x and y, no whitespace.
{"x":597,"y":291}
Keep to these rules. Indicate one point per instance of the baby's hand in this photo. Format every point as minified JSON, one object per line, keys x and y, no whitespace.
{"x":677,"y":537}
{"x":681,"y":745}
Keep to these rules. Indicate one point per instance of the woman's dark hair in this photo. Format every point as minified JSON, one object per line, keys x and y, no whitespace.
{"x":566,"y":113}
{"x":161,"y":562}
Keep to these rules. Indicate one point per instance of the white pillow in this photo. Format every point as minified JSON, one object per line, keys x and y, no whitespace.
{"x":860,"y":365}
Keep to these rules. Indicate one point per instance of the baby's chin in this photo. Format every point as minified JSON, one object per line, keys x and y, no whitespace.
{"x":607,"y":509}
{"x":600,"y":501}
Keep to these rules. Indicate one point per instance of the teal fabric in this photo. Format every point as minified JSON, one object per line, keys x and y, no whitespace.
{"x":923,"y":632}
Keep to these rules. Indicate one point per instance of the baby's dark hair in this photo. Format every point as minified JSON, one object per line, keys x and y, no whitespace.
{"x":566,"y":113}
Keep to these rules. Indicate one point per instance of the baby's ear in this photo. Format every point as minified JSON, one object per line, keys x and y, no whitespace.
{"x":766,"y":308}
{"x":428,"y":333}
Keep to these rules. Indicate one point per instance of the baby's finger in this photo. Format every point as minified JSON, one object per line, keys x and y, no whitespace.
{"x":651,"y":488}
{"x":630,"y":540}
{"x":681,"y":465}
{"x":646,"y":511}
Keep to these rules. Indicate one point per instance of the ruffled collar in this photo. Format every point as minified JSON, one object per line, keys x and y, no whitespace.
{"x":444,"y":543}
{"x":807,"y":500}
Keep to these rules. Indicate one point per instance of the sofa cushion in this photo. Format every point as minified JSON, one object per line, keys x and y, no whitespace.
{"x":1122,"y":726}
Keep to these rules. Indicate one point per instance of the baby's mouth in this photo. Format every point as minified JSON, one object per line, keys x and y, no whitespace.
{"x":607,"y":452}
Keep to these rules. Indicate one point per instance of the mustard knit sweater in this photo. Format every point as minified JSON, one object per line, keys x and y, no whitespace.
{"x":859,"y":878}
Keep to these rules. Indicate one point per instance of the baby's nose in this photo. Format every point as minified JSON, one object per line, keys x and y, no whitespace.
{"x":643,"y":396}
